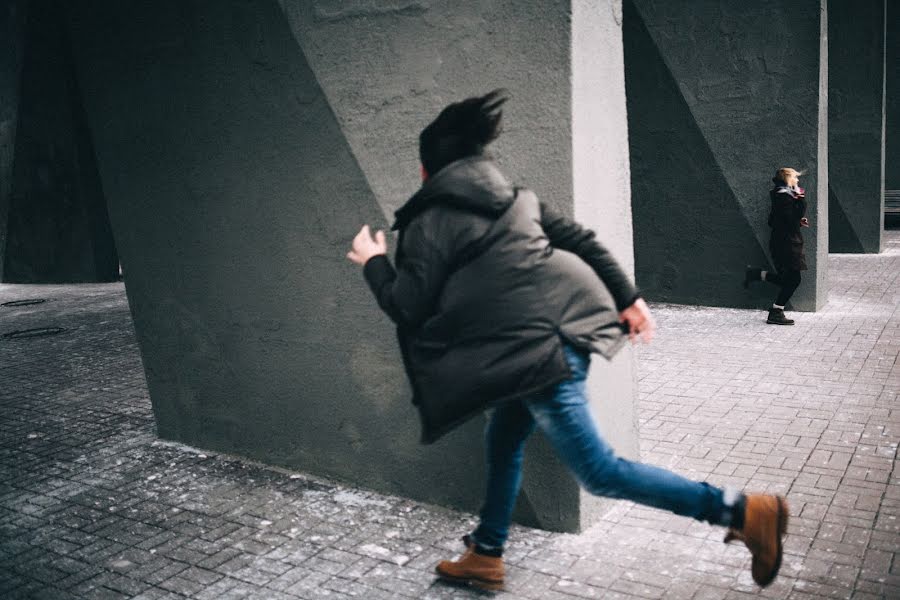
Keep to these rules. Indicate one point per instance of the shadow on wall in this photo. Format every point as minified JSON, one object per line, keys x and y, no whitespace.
{"x":687,"y":220}
{"x":699,"y":111}
{"x":233,"y":192}
{"x":57,"y":226}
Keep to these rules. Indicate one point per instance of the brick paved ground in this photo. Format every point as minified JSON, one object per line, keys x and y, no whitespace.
{"x":93,"y":506}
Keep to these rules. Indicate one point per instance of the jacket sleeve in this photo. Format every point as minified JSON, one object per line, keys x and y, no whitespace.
{"x":408,"y":294}
{"x":799,"y":211}
{"x":566,"y":234}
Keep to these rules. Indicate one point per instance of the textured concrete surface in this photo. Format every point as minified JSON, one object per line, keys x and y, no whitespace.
{"x":93,"y":505}
{"x":57,"y":229}
{"x":388,"y":67}
{"x":12,"y":34}
{"x":720,"y":95}
{"x":602,"y":195}
{"x":565,"y":130}
{"x":242,"y":157}
{"x":892,"y":97}
{"x":856,"y":74}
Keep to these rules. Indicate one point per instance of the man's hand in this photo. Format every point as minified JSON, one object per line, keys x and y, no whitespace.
{"x":804,"y":222}
{"x":640,"y":323}
{"x":365,"y":246}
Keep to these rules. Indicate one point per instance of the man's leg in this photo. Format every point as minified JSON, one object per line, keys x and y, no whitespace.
{"x":505,"y":435}
{"x":566,"y":420}
{"x":482,"y":563}
{"x":759,"y":521}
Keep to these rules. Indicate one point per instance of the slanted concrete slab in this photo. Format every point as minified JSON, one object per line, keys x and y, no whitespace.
{"x":856,"y":75}
{"x":55,"y":228}
{"x":892,"y":98}
{"x":720,"y":95}
{"x":243,"y":155}
{"x":12,"y":35}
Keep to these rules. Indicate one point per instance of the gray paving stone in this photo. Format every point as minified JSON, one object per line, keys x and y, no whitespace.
{"x":93,"y":505}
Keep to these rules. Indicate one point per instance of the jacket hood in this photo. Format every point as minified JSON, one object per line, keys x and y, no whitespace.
{"x":473,"y":183}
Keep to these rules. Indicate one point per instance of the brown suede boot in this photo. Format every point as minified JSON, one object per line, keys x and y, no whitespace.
{"x":765,"y":522}
{"x":477,"y":570}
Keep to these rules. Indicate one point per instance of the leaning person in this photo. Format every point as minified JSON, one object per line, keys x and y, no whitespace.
{"x":786,"y":217}
{"x":499,"y":302}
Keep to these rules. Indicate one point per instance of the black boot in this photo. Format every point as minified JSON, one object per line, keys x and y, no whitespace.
{"x":776,"y":317}
{"x":751,"y":274}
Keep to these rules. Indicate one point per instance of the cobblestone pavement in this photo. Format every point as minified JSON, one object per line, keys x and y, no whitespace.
{"x":92,"y":505}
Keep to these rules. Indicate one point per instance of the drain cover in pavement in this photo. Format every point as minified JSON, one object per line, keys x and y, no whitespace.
{"x":30,"y":333}
{"x":24,"y":302}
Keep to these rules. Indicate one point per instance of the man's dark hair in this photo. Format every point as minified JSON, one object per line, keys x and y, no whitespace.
{"x":462,"y":129}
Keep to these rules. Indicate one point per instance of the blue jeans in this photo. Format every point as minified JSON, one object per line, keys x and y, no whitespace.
{"x":564,"y":417}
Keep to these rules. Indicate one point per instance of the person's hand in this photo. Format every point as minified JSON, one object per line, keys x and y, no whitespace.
{"x":365,"y":246}
{"x":641,"y":325}
{"x":804,"y":222}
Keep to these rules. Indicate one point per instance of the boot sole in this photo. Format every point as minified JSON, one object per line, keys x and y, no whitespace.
{"x":777,"y":323}
{"x":783,"y":515}
{"x":481,"y":584}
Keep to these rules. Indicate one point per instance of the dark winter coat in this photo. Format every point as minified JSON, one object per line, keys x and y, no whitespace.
{"x":488,"y":285}
{"x":786,"y":241}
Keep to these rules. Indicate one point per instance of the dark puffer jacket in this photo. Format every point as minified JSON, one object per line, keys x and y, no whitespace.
{"x":489,"y":283}
{"x":786,"y":240}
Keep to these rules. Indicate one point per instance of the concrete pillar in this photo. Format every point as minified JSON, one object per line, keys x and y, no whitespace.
{"x":56,"y":227}
{"x":892,"y":103}
{"x":721,"y":93}
{"x":856,"y":73}
{"x":12,"y":34}
{"x":241,"y":158}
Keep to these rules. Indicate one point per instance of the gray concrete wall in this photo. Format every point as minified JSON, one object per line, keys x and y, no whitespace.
{"x":239,"y":161}
{"x":892,"y":97}
{"x":56,"y":226}
{"x":856,"y":72}
{"x":12,"y":35}
{"x":602,"y":195}
{"x":720,"y":95}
